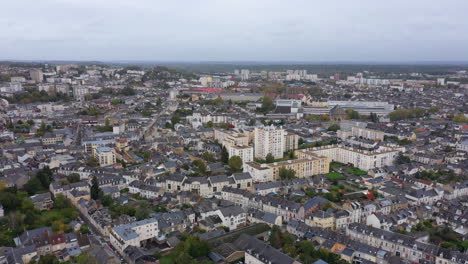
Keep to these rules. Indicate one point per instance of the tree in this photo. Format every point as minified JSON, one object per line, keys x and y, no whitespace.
{"x":9,"y":201}
{"x":116,"y":101}
{"x":402,"y":159}
{"x":235,"y":163}
{"x":61,"y":202}
{"x":275,"y":237}
{"x":73,"y":177}
{"x":300,"y":141}
{"x":127,"y":91}
{"x":84,"y":229}
{"x":175,"y":119}
{"x":267,"y":104}
{"x":33,"y":186}
{"x":59,"y":226}
{"x":45,"y":176}
{"x":352,"y":114}
{"x":252,"y":122}
{"x":95,"y":190}
{"x":200,"y":166}
{"x":286,"y":174}
{"x":208,"y":156}
{"x":270,"y":158}
{"x":224,"y":155}
{"x":334,"y":127}
{"x":142,"y":212}
{"x":209,"y":124}
{"x":42,"y":129}
{"x":460,"y":118}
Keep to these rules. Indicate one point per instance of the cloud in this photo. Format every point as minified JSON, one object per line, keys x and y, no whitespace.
{"x":266,"y":30}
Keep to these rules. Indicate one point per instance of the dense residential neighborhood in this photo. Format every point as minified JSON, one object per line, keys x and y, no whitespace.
{"x":116,"y":163}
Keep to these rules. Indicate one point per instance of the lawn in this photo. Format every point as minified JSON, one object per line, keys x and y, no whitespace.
{"x":334,"y":176}
{"x":168,"y":259}
{"x":335,"y":165}
{"x":356,"y":171}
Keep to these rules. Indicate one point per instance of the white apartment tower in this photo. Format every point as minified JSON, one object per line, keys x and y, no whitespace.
{"x":269,"y":140}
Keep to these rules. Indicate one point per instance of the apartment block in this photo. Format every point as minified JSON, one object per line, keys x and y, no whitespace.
{"x":269,"y":140}
{"x":244,"y":152}
{"x":362,"y":159}
{"x":133,"y":234}
{"x":105,"y":156}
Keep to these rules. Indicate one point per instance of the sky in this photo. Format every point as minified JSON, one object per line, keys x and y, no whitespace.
{"x":235,"y":30}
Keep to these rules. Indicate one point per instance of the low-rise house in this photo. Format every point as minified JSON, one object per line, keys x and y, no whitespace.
{"x":42,"y":201}
{"x":256,"y":216}
{"x":321,"y":219}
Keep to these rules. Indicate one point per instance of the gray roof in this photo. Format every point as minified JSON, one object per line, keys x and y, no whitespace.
{"x":262,"y":250}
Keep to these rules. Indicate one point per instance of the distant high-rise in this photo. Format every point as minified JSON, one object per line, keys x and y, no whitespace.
{"x":36,"y":75}
{"x":440,"y":81}
{"x":245,"y":74}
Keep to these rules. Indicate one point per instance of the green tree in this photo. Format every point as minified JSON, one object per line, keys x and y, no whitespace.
{"x":269,"y":158}
{"x":275,"y":237}
{"x":224,"y":155}
{"x":61,"y":202}
{"x":116,"y":101}
{"x":142,"y":212}
{"x":267,"y":104}
{"x":127,"y":91}
{"x":209,"y":124}
{"x":45,"y":176}
{"x":84,"y":229}
{"x":42,"y":129}
{"x":235,"y":163}
{"x":175,"y":119}
{"x":208,"y":156}
{"x":73,"y":177}
{"x":286,"y":174}
{"x":9,"y":201}
{"x":200,"y":166}
{"x":95,"y":190}
{"x":334,"y":127}
{"x":460,"y":118}
{"x":402,"y":159}
{"x":33,"y":186}
{"x":352,"y":114}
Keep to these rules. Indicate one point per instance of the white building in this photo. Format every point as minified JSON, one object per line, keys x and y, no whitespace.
{"x":232,"y":216}
{"x":362,"y":159}
{"x":269,"y":140}
{"x":367,"y":133}
{"x":244,"y":152}
{"x":245,"y":74}
{"x":105,"y":156}
{"x":79,"y":92}
{"x":259,"y":172}
{"x":133,"y":234}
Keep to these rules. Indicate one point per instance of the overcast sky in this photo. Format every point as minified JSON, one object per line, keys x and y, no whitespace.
{"x":237,"y":30}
